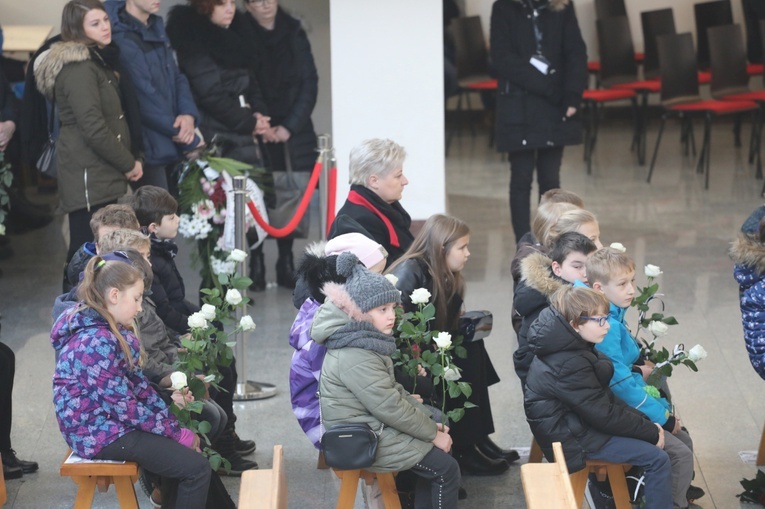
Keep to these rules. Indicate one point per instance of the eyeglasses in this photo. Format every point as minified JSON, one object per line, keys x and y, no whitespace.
{"x":260,"y":3}
{"x":601,"y":320}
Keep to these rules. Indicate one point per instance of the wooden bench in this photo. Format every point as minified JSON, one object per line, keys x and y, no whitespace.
{"x":3,"y":494}
{"x":547,"y":485}
{"x":602,"y":470}
{"x":350,"y":486}
{"x":265,"y":489}
{"x":90,"y":474}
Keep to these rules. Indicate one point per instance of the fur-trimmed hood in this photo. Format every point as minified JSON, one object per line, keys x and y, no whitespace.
{"x":746,"y":251}
{"x":554,"y":5}
{"x":536,"y":272}
{"x":49,"y":64}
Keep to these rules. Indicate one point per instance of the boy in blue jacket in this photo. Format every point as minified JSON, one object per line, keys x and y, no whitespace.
{"x":612,"y":273}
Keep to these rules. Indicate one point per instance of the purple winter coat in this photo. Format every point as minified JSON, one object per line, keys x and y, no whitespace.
{"x":97,"y":398}
{"x":305,"y":370}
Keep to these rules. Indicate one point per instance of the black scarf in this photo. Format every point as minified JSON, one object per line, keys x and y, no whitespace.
{"x":362,"y":335}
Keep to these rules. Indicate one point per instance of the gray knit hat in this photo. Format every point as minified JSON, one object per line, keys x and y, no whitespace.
{"x":367,"y":289}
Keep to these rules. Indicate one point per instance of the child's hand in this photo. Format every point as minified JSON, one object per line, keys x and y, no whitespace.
{"x":421,"y":371}
{"x":678,"y":426}
{"x":196,"y":443}
{"x":660,"y":443}
{"x":417,"y":397}
{"x":180,"y":398}
{"x":646,"y":370}
{"x":443,"y":441}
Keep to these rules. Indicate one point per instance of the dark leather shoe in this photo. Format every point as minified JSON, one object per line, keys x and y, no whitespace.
{"x":10,"y":460}
{"x":243,"y":447}
{"x":462,"y":493}
{"x":285,"y":272}
{"x":238,"y":465}
{"x":11,"y":472}
{"x":474,"y":463}
{"x":257,"y":271}
{"x":493,"y":451}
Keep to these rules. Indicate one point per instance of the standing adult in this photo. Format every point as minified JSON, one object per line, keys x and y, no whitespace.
{"x":372,"y":207}
{"x":289,"y":83}
{"x":168,"y":112}
{"x":99,"y":149}
{"x":540,"y":60}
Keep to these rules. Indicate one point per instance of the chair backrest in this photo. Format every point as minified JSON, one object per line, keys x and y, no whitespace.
{"x":709,"y":14}
{"x":679,"y":72}
{"x":609,"y":9}
{"x":617,"y":54}
{"x":728,"y":60}
{"x":469,"y":40}
{"x":655,"y":23}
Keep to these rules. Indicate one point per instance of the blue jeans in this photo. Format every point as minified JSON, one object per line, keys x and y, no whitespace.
{"x":654,"y":461}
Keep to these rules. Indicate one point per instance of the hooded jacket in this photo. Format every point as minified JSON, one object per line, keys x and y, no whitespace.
{"x":164,"y":92}
{"x":93,"y":151}
{"x":531,"y":106}
{"x":749,"y":256}
{"x":167,"y":289}
{"x":98,"y":399}
{"x":532,"y":295}
{"x":567,"y":397}
{"x":357,"y":385}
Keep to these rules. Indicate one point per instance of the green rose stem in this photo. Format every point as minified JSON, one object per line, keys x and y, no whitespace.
{"x":443,"y":386}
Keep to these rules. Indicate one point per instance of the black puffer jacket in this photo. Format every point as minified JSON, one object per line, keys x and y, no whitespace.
{"x":567,"y":398}
{"x":288,"y":79}
{"x":531,"y":106}
{"x":221,"y":66}
{"x":167,"y":290}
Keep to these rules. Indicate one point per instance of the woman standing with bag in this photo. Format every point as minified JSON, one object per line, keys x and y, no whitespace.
{"x":540,"y":59}
{"x":289,"y":82}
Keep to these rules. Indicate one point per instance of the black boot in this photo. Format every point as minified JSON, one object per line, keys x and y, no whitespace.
{"x":473,"y":462}
{"x":285,"y":271}
{"x":257,"y":270}
{"x":10,"y":460}
{"x":225,"y":445}
{"x":493,"y":451}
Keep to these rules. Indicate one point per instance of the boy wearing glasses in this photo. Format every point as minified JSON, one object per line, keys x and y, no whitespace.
{"x":612,"y":273}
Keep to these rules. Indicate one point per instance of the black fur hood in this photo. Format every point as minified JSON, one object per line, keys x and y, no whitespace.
{"x":315,"y":270}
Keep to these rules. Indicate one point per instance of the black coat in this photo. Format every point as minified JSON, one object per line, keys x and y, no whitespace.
{"x":567,"y":397}
{"x":477,"y":368}
{"x":395,"y":240}
{"x":167,"y":289}
{"x":531,"y":106}
{"x":289,"y":82}
{"x":221,"y":66}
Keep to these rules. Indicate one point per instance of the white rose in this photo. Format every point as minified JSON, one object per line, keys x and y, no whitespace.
{"x":246,"y":323}
{"x":618,"y":246}
{"x":237,"y":255}
{"x":652,"y":271}
{"x":658,"y":329}
{"x":208,"y":311}
{"x":2,"y":229}
{"x":178,"y":380}
{"x":233,"y":297}
{"x":452,"y":375}
{"x":420,"y":296}
{"x":393,"y":279}
{"x":697,"y":353}
{"x":197,"y":321}
{"x":443,"y":340}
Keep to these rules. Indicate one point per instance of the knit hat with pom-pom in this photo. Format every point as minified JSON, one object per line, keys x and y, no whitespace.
{"x":366,"y":289}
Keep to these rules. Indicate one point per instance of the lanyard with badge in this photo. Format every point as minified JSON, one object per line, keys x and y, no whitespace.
{"x":538,"y":60}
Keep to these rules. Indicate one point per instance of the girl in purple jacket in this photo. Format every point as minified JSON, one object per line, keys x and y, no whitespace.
{"x":105,"y":407}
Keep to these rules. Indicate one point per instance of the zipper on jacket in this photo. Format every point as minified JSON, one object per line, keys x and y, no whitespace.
{"x":87,"y":196}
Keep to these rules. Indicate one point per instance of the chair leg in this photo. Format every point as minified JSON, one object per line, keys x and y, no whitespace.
{"x":642,"y":131}
{"x":619,"y":487}
{"x":348,"y":489}
{"x":470,"y":113}
{"x":125,"y":493}
{"x":656,"y":148}
{"x":86,"y":489}
{"x":708,"y":143}
{"x":761,"y":452}
{"x":388,"y":490}
{"x":535,"y":453}
{"x":737,"y":131}
{"x":579,"y":484}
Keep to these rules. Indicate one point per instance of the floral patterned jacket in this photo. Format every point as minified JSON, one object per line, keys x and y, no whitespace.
{"x":98,"y":399}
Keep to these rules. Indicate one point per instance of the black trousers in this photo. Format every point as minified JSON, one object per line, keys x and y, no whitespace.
{"x":7,"y":371}
{"x":439,"y":481}
{"x":79,"y":228}
{"x":522,"y":163}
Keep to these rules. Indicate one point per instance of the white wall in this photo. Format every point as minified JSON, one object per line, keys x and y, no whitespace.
{"x":387,"y":82}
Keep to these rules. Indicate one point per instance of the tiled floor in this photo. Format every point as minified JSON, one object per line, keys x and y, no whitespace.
{"x":672,"y":223}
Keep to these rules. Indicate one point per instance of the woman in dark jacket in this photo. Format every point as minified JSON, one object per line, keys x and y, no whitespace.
{"x":289,"y":82}
{"x":568,"y":400}
{"x":373,"y":207}
{"x":435,"y":261}
{"x":540,"y":60}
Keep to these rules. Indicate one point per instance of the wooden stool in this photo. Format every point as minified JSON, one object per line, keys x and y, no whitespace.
{"x":350,"y":486}
{"x":265,"y":489}
{"x":761,"y":451}
{"x":535,"y":452}
{"x":602,"y":470}
{"x":3,"y":495}
{"x":548,"y":485}
{"x":90,"y":474}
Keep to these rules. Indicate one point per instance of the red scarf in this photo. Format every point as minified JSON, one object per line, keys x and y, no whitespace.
{"x":357,"y":199}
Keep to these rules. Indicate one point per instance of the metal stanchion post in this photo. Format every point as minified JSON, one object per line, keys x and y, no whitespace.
{"x":324,"y":144}
{"x":245,"y":389}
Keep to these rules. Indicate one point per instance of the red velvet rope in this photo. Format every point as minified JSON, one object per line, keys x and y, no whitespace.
{"x":302,"y":207}
{"x":331,"y":197}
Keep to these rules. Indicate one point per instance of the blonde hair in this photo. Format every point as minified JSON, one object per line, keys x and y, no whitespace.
{"x":431,"y":246}
{"x":606,"y":263}
{"x":100,"y":276}
{"x":547,"y":215}
{"x":569,"y":221}
{"x":574,"y":302}
{"x":374,"y":157}
{"x":123,"y":239}
{"x":559,"y":195}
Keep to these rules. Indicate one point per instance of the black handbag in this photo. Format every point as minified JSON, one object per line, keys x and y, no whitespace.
{"x":46,"y":163}
{"x":289,"y":187}
{"x":349,"y":446}
{"x":475,"y":325}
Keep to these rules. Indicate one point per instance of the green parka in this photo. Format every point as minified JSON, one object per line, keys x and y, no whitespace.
{"x":93,"y":149}
{"x":357,"y":386}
